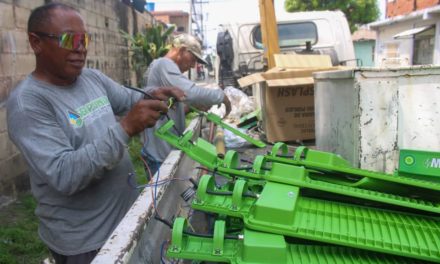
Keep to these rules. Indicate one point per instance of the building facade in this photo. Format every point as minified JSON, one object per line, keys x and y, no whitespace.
{"x":409,"y":35}
{"x":178,"y":18}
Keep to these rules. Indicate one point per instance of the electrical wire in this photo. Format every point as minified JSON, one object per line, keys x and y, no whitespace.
{"x":284,"y":156}
{"x":247,"y":161}
{"x":155,"y":190}
{"x":170,"y":103}
{"x":152,"y":184}
{"x":146,"y":95}
{"x":224,"y":193}
{"x":149,"y":176}
{"x":131,"y":182}
{"x":213,"y":174}
{"x":162,"y":247}
{"x":167,"y":223}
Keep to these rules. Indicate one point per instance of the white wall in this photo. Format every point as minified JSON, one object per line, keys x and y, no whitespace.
{"x":405,"y":45}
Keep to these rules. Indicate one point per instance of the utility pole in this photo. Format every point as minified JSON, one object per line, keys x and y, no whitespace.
{"x":269,"y":31}
{"x":197,"y":19}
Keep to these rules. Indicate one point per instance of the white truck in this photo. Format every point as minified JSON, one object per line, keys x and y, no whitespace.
{"x":240,"y":49}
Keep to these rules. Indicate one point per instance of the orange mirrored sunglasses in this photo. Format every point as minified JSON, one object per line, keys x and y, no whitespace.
{"x":70,"y":41}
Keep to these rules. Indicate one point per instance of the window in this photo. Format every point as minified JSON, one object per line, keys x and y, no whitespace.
{"x":289,"y":35}
{"x":392,"y":56}
{"x":392,"y":51}
{"x":424,"y":47}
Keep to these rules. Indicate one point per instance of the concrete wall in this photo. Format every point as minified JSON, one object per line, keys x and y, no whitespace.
{"x":367,"y":115}
{"x":107,"y":51}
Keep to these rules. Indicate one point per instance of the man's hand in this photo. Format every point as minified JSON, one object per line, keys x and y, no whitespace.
{"x":228,"y":106}
{"x":163,"y":93}
{"x":144,"y":113}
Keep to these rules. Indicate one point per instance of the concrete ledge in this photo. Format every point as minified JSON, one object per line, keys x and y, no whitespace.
{"x":138,"y":238}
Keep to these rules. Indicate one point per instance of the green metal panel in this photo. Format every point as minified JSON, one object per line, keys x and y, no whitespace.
{"x":200,"y":248}
{"x":258,"y":247}
{"x":301,"y":177}
{"x":282,"y":209}
{"x":200,"y":150}
{"x":218,"y":121}
{"x":423,"y":163}
{"x":335,"y":167}
{"x":290,"y":197}
{"x":285,"y":171}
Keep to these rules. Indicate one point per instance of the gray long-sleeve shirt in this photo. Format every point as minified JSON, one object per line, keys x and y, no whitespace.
{"x":77,"y":157}
{"x":165,"y":72}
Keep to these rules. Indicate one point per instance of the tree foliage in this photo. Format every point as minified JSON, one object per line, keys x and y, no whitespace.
{"x":358,"y":12}
{"x":149,"y":44}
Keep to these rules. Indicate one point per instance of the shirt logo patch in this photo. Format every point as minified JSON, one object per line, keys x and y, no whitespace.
{"x":89,"y":112}
{"x":75,"y":119}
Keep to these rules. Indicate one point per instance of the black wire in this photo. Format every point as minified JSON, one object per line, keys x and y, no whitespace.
{"x":281,"y":155}
{"x":149,"y":96}
{"x":213,"y":172}
{"x":284,"y":156}
{"x":175,"y":128}
{"x":223,"y":193}
{"x":163,"y":221}
{"x":167,"y":223}
{"x":131,"y":181}
{"x":162,"y":251}
{"x":247,"y":161}
{"x":195,"y":184}
{"x":223,"y":174}
{"x":262,"y":168}
{"x":251,"y":195}
{"x":244,"y":168}
{"x":146,"y":95}
{"x":234,"y":230}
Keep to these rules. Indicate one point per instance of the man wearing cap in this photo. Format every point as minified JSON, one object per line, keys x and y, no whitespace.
{"x":168,"y":71}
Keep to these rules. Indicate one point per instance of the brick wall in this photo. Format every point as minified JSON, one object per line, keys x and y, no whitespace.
{"x":403,"y":7}
{"x":179,"y":18}
{"x":422,"y":4}
{"x":107,"y":52}
{"x":181,"y":22}
{"x":164,"y":18}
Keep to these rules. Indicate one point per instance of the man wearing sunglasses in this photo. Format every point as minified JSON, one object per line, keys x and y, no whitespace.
{"x":62,"y":118}
{"x":186,"y":51}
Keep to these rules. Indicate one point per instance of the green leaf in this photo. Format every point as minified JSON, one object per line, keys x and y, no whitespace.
{"x":357,"y":11}
{"x":147,"y":45}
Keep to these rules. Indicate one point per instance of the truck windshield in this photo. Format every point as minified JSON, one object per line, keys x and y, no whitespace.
{"x":289,"y":35}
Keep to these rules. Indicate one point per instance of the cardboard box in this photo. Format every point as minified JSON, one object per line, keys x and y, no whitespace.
{"x":286,"y":96}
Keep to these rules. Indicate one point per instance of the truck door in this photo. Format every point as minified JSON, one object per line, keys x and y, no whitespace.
{"x":225,"y":51}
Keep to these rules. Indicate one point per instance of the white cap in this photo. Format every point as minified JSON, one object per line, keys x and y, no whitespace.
{"x":192,"y":44}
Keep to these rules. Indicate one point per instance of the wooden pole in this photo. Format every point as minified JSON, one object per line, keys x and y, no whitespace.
{"x":269,"y":31}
